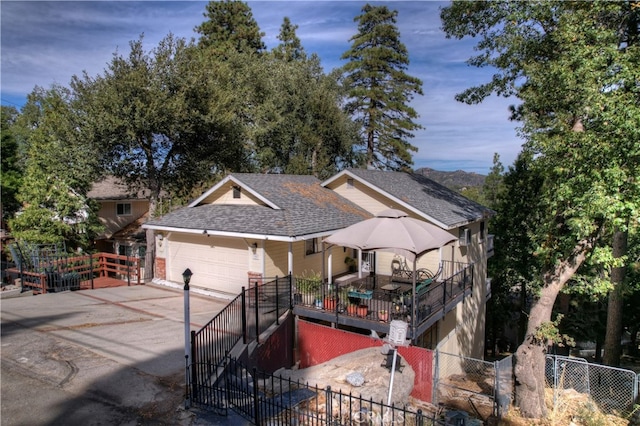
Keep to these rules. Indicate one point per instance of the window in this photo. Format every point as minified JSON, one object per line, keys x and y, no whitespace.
{"x":123,"y":209}
{"x":464,"y":237}
{"x":311,"y":246}
{"x":482,"y":235}
{"x":350,"y":184}
{"x":236,"y":191}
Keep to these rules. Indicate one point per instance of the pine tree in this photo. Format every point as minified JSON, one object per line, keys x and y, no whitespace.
{"x":230,"y":25}
{"x":290,"y":48}
{"x":11,"y":170}
{"x":380,"y":90}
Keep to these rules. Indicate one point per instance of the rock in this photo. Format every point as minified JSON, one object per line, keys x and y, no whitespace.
{"x":369,"y":364}
{"x":355,"y":379}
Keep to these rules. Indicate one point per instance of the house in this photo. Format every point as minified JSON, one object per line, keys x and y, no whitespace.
{"x":250,"y":227}
{"x":122,"y":212}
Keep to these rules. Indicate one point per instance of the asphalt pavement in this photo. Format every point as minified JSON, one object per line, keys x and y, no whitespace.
{"x":111,"y":356}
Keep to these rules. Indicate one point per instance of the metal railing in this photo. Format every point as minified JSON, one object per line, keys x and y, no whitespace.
{"x":264,"y":398}
{"x":369,"y":304}
{"x":64,"y":272}
{"x":244,"y":319}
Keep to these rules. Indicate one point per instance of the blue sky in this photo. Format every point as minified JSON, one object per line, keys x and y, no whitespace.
{"x":48,"y":42}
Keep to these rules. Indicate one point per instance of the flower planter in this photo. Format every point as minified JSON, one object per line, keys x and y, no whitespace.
{"x":362,"y":311}
{"x":352,"y":310}
{"x":330,"y":303}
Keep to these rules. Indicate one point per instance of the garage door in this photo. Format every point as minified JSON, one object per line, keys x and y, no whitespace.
{"x":217,"y":263}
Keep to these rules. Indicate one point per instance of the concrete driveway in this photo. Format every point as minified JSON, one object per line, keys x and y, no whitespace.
{"x":112,"y":356}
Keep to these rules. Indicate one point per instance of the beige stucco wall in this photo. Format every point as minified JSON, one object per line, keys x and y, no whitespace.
{"x":224,"y":195}
{"x":110,"y":219}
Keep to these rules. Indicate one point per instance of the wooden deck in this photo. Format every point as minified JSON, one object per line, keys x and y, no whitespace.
{"x":98,"y":270}
{"x":105,"y":282}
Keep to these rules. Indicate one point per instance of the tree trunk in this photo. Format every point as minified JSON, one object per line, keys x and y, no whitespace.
{"x":150,"y":256}
{"x":522,"y":321}
{"x":530,"y":356}
{"x":613,"y":336}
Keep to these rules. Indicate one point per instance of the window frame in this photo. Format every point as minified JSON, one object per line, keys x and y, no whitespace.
{"x":126,"y":209}
{"x":311,"y":246}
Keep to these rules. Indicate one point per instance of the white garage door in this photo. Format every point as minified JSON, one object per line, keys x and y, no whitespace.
{"x":217,"y":263}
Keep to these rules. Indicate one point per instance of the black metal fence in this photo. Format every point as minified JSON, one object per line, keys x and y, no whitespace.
{"x":264,"y":398}
{"x":244,"y":319}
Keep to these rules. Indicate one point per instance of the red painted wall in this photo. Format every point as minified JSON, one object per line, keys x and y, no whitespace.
{"x":319,"y":343}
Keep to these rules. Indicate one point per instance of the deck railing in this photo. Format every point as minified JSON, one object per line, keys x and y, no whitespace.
{"x":375,"y":299}
{"x":76,"y":272}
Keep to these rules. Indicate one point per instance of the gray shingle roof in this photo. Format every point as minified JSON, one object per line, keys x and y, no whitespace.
{"x":433,"y":199}
{"x":305,"y":207}
{"x":112,"y":188}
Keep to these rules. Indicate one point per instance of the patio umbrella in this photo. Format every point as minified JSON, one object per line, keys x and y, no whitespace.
{"x":392,"y":230}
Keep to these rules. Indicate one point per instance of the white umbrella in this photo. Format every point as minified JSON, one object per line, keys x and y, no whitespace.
{"x":392,"y":230}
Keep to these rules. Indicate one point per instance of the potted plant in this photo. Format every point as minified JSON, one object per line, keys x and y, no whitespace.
{"x":351,"y":263}
{"x":330,"y":302}
{"x":362,"y":311}
{"x":383,"y":315}
{"x":352,"y":309}
{"x":330,"y":298}
{"x":308,"y":288}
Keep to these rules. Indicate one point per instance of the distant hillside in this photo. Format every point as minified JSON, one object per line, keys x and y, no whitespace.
{"x":454,"y":180}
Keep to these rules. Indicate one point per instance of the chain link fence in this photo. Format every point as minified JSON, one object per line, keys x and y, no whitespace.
{"x":613,"y":389}
{"x":473,"y":385}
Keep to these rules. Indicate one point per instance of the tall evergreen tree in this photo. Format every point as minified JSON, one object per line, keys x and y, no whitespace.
{"x":59,"y":172}
{"x":575,"y":66}
{"x":380,"y":90}
{"x":290,"y":47}
{"x":230,"y":26}
{"x":11,"y":170}
{"x":307,"y":131}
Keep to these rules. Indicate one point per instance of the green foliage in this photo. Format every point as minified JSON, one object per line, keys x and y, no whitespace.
{"x":575,"y":68}
{"x":11,"y":168}
{"x":548,"y":333}
{"x":304,"y":129}
{"x":290,"y":47}
{"x":59,"y":172}
{"x":380,"y":90}
{"x":162,"y":120}
{"x":230,"y":27}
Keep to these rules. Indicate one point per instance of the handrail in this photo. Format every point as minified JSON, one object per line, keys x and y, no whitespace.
{"x":101,"y":264}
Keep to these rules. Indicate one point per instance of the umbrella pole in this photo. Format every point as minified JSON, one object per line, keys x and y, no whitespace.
{"x":414,"y":308}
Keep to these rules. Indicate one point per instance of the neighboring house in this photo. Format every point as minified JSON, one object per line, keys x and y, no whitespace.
{"x":122,"y":212}
{"x":253,"y":226}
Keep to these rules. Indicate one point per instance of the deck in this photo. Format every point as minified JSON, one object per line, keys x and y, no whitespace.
{"x":99,"y":270}
{"x":373,"y":301}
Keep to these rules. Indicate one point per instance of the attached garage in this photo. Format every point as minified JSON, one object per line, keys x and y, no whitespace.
{"x":219,"y":263}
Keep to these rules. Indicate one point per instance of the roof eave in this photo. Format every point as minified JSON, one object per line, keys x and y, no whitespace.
{"x":231,"y":178}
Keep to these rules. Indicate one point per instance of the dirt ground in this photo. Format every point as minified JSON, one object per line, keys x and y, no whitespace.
{"x":573,"y":408}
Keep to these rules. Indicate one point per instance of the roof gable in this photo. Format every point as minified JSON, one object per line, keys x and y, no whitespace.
{"x":293,"y":206}
{"x":418,"y":194}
